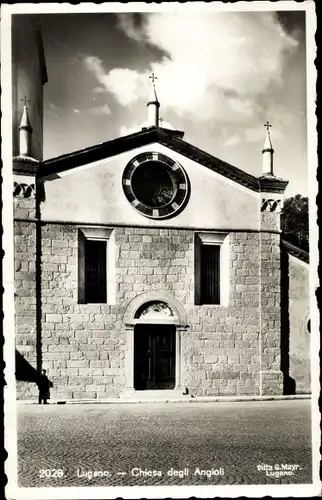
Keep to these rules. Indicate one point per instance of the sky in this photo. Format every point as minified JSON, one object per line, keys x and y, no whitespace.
{"x":221,"y":76}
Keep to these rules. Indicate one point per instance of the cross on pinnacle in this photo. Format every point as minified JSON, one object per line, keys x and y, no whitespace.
{"x":153,"y":77}
{"x":267,"y":125}
{"x":25,"y":100}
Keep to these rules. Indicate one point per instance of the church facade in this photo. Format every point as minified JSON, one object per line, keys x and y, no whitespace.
{"x":146,"y":264}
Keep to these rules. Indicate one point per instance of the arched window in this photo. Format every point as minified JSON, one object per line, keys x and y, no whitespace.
{"x":154,"y":309}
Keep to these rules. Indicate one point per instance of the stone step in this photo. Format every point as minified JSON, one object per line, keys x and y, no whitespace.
{"x":156,"y":394}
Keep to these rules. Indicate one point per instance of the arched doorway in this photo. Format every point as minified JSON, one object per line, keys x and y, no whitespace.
{"x":154,"y":347}
{"x":154,"y":324}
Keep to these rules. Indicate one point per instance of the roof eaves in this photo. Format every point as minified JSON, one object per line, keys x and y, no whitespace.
{"x":98,"y":152}
{"x":141,"y":138}
{"x":211,"y":162}
{"x":271,"y":183}
{"x":296,"y":251}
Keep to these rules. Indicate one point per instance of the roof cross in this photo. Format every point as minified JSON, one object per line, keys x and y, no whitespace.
{"x":153,"y":77}
{"x":267,"y":125}
{"x":25,"y":100}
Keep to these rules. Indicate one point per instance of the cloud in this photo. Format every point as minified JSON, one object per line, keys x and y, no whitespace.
{"x":256,"y":134}
{"x":232,"y":137}
{"x":124,"y":130}
{"x":99,"y":90}
{"x":127,"y":22}
{"x":75,"y":110}
{"x":54,"y":110}
{"x":100,"y":110}
{"x":242,"y":106}
{"x":233,"y":140}
{"x":215,"y":65}
{"x":125,"y":84}
{"x":166,"y":124}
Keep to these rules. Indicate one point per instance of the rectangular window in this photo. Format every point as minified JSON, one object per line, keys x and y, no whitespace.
{"x":95,"y":271}
{"x":212,"y":269}
{"x":96,"y":265}
{"x":210,"y":274}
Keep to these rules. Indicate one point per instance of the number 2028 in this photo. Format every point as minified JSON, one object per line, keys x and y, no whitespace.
{"x":46,"y":473}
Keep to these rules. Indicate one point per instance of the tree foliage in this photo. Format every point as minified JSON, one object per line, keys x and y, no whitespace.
{"x":295,"y":221}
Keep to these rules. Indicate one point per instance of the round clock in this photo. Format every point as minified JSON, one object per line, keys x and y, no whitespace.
{"x":155,"y":185}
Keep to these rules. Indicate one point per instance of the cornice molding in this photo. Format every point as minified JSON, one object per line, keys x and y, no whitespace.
{"x":170,"y":139}
{"x":271,"y":184}
{"x":25,"y":165}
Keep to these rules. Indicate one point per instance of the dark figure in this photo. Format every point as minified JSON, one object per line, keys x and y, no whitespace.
{"x":44,"y":385}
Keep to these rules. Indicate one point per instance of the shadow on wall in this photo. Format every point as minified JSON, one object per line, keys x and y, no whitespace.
{"x":40,"y":196}
{"x":24,"y":371}
{"x":289,"y":385}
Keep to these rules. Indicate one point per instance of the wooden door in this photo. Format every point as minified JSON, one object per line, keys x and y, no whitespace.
{"x":154,"y":357}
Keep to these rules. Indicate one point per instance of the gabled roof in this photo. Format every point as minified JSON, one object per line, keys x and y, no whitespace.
{"x":296,"y":251}
{"x":172,"y":140}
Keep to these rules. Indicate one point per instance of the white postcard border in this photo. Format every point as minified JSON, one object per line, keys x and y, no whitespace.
{"x":13,"y":491}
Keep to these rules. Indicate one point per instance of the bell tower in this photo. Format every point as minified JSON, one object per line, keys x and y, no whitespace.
{"x":28,"y":77}
{"x":272,"y":192}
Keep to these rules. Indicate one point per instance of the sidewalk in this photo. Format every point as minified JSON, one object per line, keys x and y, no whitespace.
{"x":183,"y":399}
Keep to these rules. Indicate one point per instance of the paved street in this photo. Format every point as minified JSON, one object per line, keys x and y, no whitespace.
{"x":228,"y":439}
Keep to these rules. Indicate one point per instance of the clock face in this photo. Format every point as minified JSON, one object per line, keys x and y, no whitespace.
{"x":155,"y":185}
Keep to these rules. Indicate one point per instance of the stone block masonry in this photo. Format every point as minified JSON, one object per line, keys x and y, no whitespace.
{"x":271,"y":377}
{"x":221,"y":347}
{"x":84,"y":345}
{"x":25,"y":295}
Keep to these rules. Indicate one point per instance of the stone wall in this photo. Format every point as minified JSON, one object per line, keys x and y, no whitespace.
{"x":25,"y":296}
{"x":299,"y":315}
{"x":271,"y":376}
{"x":221,"y":348}
{"x":83,"y":345}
